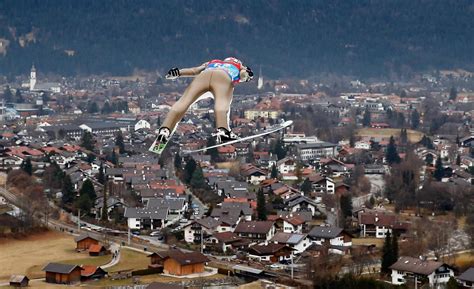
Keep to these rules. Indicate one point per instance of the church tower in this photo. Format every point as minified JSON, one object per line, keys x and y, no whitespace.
{"x":32,"y":78}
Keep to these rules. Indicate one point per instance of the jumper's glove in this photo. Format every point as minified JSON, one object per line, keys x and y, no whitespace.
{"x":173,"y":73}
{"x":250,"y":74}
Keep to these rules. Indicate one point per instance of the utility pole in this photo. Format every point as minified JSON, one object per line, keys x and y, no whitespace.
{"x":129,"y":235}
{"x":416,"y":282}
{"x":79,"y":221}
{"x":292,"y":266}
{"x":202,"y":242}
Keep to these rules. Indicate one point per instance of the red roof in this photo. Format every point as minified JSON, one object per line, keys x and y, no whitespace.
{"x":226,"y":149}
{"x":96,"y":248}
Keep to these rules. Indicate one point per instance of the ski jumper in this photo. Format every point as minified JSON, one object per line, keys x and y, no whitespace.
{"x":217,"y":77}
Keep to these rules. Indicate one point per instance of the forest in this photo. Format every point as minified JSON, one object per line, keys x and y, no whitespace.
{"x":367,"y":38}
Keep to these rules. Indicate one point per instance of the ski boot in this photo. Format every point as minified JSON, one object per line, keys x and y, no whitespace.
{"x":224,"y":135}
{"x":163,"y":135}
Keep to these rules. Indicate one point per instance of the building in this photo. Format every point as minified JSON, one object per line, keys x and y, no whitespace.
{"x":146,"y":218}
{"x":90,"y":272}
{"x":297,"y":242}
{"x":62,"y":273}
{"x":466,"y":279}
{"x":97,"y":250}
{"x":314,"y":151}
{"x":258,"y":231}
{"x":200,"y":228}
{"x":409,"y":269}
{"x":271,"y":252}
{"x":19,"y":281}
{"x":377,"y":224}
{"x":83,"y":242}
{"x":337,"y":239}
{"x":177,"y":262}
{"x":257,"y":113}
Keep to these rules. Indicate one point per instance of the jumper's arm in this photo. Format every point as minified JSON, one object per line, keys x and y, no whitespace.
{"x":192,"y":71}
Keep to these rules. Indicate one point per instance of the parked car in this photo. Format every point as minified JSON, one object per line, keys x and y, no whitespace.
{"x":155,"y":233}
{"x":183,"y":221}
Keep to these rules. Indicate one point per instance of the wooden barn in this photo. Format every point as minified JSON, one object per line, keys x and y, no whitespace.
{"x":97,"y":250}
{"x":83,"y":242}
{"x":157,"y":260}
{"x":62,"y":273}
{"x":19,"y":281}
{"x":177,"y":262}
{"x":90,"y":272}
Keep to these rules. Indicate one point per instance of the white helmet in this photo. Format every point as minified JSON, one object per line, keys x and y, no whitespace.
{"x":233,"y":59}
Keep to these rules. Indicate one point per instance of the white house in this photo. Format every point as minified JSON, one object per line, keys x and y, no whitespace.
{"x":332,"y":236}
{"x":409,"y":269}
{"x":203,"y":227}
{"x":378,"y":224}
{"x":363,"y":145}
{"x":142,"y":124}
{"x":146,"y":218}
{"x":286,"y":165}
{"x":298,"y":242}
{"x":301,"y":204}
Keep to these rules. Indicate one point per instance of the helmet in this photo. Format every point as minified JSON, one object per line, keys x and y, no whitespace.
{"x":233,"y":59}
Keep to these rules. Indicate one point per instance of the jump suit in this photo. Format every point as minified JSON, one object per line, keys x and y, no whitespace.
{"x":218,"y":78}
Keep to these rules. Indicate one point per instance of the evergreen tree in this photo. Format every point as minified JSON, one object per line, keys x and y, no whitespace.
{"x":387,"y":254}
{"x":26,"y":166}
{"x":345,"y":203}
{"x":67,"y":190}
{"x":92,"y":107}
{"x":299,"y":172}
{"x":261,"y":206}
{"x":429,"y":159}
{"x":439,"y":169}
{"x":84,"y":203}
{"x":197,"y":179}
{"x":177,"y":162}
{"x":106,"y":109}
{"x":415,"y":119}
{"x":394,"y":248}
{"x":403,"y":136}
{"x":114,"y":158}
{"x":279,"y":149}
{"x":120,"y":143}
{"x":101,"y":175}
{"x":367,"y":119}
{"x":306,"y":187}
{"x":104,"y":214}
{"x":7,"y":95}
{"x":211,"y":141}
{"x":158,"y":121}
{"x":391,"y":154}
{"x":452,"y":284}
{"x":87,"y":189}
{"x":87,"y":141}
{"x":403,"y":94}
{"x":189,"y":170}
{"x":352,"y":140}
{"x":274,"y":172}
{"x":458,"y":160}
{"x":19,"y":97}
{"x":453,"y":93}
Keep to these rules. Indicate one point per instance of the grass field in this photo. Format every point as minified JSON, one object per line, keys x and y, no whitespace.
{"x":413,"y":135}
{"x":368,"y":241}
{"x":130,"y":259}
{"x":30,"y":254}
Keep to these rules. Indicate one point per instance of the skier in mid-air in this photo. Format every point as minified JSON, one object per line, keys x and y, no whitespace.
{"x":217,"y":77}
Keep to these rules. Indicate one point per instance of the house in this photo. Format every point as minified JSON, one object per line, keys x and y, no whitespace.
{"x":288,"y":223}
{"x":202,"y":227}
{"x":253,"y":174}
{"x":337,"y":238}
{"x":286,"y":165}
{"x":176,"y":206}
{"x":322,"y":184}
{"x":297,"y":242}
{"x":222,"y":241}
{"x":377,"y":224}
{"x":146,"y":218}
{"x":97,"y":250}
{"x":113,"y":203}
{"x":19,"y":281}
{"x":466,"y":279}
{"x":62,"y":273}
{"x":177,"y":262}
{"x":300,"y":203}
{"x":257,"y":231}
{"x":409,"y":268}
{"x":271,"y":252}
{"x":83,"y":242}
{"x":233,"y":209}
{"x":90,"y":272}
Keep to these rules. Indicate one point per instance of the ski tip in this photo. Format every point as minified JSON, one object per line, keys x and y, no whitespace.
{"x":287,"y":123}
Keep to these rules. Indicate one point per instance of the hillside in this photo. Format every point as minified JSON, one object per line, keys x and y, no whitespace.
{"x":288,"y":38}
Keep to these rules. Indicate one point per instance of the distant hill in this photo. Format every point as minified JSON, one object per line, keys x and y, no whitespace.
{"x":287,"y":38}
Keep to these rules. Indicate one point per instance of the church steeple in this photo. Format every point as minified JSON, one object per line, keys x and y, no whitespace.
{"x":32,"y":77}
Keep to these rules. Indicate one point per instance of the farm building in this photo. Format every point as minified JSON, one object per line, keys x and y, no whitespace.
{"x":19,"y":281}
{"x":97,"y":250}
{"x":62,"y":273}
{"x":90,"y":272}
{"x":177,"y":262}
{"x":83,"y":242}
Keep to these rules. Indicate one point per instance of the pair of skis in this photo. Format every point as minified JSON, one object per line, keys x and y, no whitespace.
{"x":158,"y":147}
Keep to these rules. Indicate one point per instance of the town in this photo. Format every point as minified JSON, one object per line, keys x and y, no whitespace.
{"x":372,"y":183}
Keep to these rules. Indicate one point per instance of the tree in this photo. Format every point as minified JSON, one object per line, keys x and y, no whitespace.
{"x":84,"y":203}
{"x":158,"y":121}
{"x":189,"y":170}
{"x":458,"y":160}
{"x":120,"y":143}
{"x":26,"y":166}
{"x":274,"y":172}
{"x":101,"y":175}
{"x":106,"y":108}
{"x":88,"y":190}
{"x":67,"y":190}
{"x":367,"y":119}
{"x":299,"y":172}
{"x":87,"y":141}
{"x":177,"y":162}
{"x":391,"y":154}
{"x":453,"y":93}
{"x":104,"y":214}
{"x":345,"y":203}
{"x":197,"y":179}
{"x":279,"y":149}
{"x":352,"y":140}
{"x":387,"y":254}
{"x":307,"y":186}
{"x":438,"y":174}
{"x":452,"y":283}
{"x":114,"y":158}
{"x":429,"y":159}
{"x":211,"y":141}
{"x":7,"y":95}
{"x":19,"y":97}
{"x":403,"y":94}
{"x":92,"y":107}
{"x":403,"y":136}
{"x":415,"y":119}
{"x":261,"y":206}
{"x":394,"y":247}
